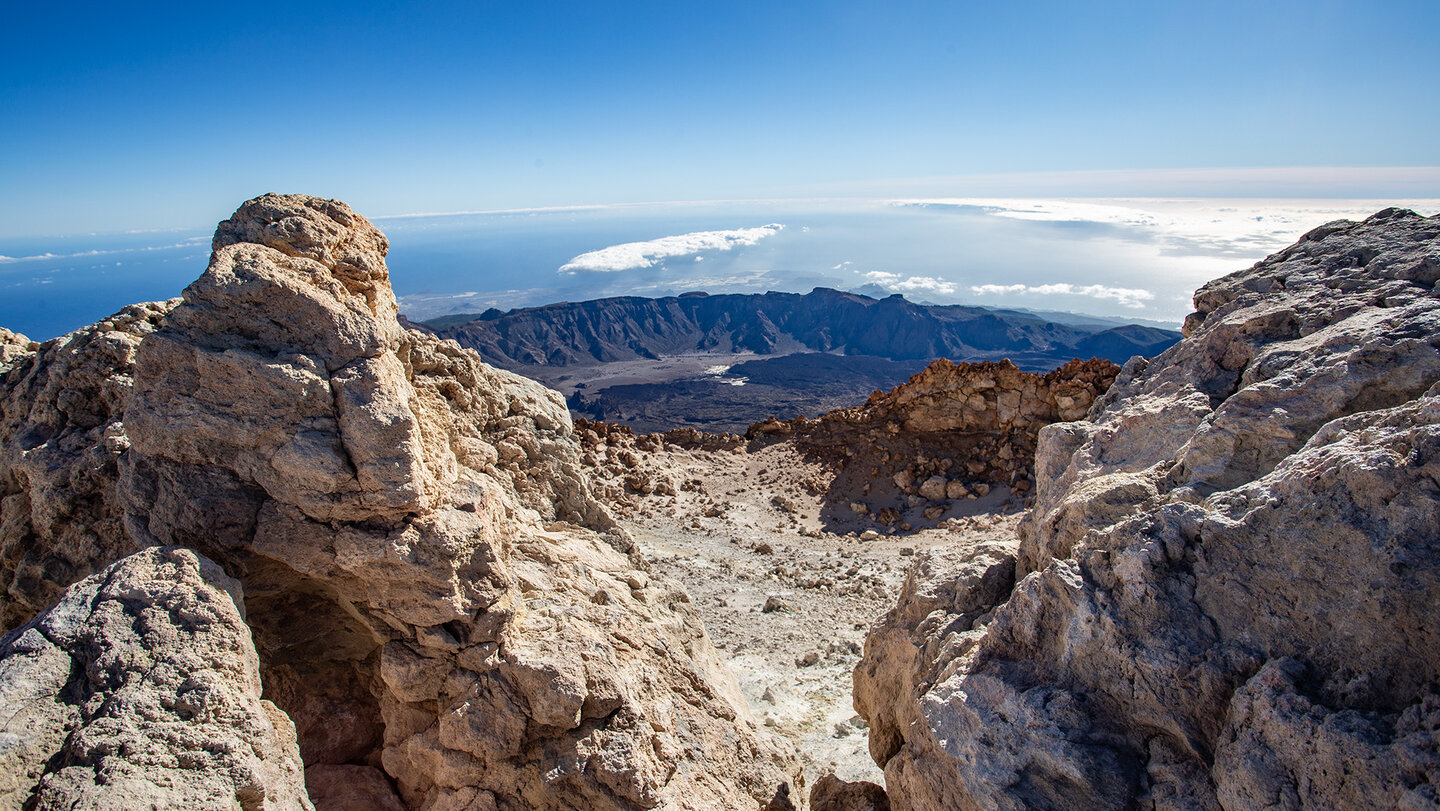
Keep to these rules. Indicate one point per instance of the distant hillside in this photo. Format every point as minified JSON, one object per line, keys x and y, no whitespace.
{"x":633,"y":328}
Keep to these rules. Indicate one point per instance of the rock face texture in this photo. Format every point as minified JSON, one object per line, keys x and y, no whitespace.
{"x":436,"y":599}
{"x":991,"y":396}
{"x":140,"y":689}
{"x":1228,"y":591}
{"x":61,"y":436}
{"x":951,"y":432}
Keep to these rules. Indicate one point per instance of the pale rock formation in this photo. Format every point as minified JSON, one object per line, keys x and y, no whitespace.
{"x":140,"y":688}
{"x":14,"y":345}
{"x":1229,"y":591}
{"x":61,"y":436}
{"x":437,"y":600}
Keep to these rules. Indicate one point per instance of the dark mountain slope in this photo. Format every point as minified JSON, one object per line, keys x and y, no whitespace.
{"x":632,"y":328}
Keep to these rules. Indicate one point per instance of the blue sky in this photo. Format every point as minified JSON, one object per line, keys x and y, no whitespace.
{"x":159,"y":115}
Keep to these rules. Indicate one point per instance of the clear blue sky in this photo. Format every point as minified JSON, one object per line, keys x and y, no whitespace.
{"x":156,"y":115}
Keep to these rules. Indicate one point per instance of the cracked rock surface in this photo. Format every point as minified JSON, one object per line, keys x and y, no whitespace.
{"x":140,"y":688}
{"x":436,"y":599}
{"x":1227,"y":594}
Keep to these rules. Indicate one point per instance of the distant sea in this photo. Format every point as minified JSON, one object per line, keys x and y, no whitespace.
{"x":1134,"y":259}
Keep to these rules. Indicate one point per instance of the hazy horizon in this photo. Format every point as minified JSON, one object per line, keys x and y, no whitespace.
{"x":1135,"y":259}
{"x":1104,"y":157}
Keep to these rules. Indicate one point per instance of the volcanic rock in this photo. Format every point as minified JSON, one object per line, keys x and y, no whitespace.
{"x":1229,"y":587}
{"x":61,"y":436}
{"x":140,"y":688}
{"x":419,"y":547}
{"x":830,"y":793}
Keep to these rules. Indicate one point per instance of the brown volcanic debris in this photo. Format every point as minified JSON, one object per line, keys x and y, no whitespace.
{"x":435,"y":594}
{"x":951,"y":432}
{"x":1227,"y":593}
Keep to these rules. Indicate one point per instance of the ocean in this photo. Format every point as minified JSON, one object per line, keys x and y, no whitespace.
{"x":1134,"y":259}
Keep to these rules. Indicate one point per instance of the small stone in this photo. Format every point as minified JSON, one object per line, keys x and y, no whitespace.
{"x":933,"y":488}
{"x":773,"y":604}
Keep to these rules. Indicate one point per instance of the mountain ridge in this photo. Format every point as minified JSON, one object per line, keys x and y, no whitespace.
{"x":625,"y":328}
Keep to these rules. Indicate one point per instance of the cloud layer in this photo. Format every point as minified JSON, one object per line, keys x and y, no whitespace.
{"x":910,"y":284}
{"x":634,"y":255}
{"x":1124,"y":296}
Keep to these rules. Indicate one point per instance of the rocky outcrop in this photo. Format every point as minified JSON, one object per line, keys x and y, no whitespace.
{"x":830,"y":793}
{"x":990,"y":396}
{"x":953,"y":431}
{"x":61,"y":436}
{"x":14,"y":345}
{"x":437,"y":600}
{"x":140,"y":689}
{"x":1228,"y":590}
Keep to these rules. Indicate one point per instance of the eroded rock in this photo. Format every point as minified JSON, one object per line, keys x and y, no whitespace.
{"x":140,"y":688}
{"x":420,"y":551}
{"x":61,"y":436}
{"x":1229,"y":585}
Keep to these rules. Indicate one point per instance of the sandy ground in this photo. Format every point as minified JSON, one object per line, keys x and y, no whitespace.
{"x":786,"y":594}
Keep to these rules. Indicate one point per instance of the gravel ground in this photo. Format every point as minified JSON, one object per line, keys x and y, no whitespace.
{"x":786,"y":594}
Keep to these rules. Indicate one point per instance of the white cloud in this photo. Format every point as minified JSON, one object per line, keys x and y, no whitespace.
{"x":188,"y":243}
{"x":633,"y":255}
{"x":895,"y":281}
{"x":1124,"y":296}
{"x":1180,"y":227}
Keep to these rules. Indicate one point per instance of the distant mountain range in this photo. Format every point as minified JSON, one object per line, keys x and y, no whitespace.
{"x":632,"y":328}
{"x":723,"y":362}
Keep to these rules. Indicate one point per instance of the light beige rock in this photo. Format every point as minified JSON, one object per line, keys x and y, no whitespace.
{"x":420,"y":546}
{"x":14,"y":346}
{"x":140,"y":689}
{"x":933,"y":488}
{"x":1228,"y":591}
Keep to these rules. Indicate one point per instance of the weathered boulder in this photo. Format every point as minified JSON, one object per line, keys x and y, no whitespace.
{"x":436,"y":599}
{"x":14,"y":345}
{"x":830,"y":793}
{"x":140,"y":688}
{"x":1229,"y":586}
